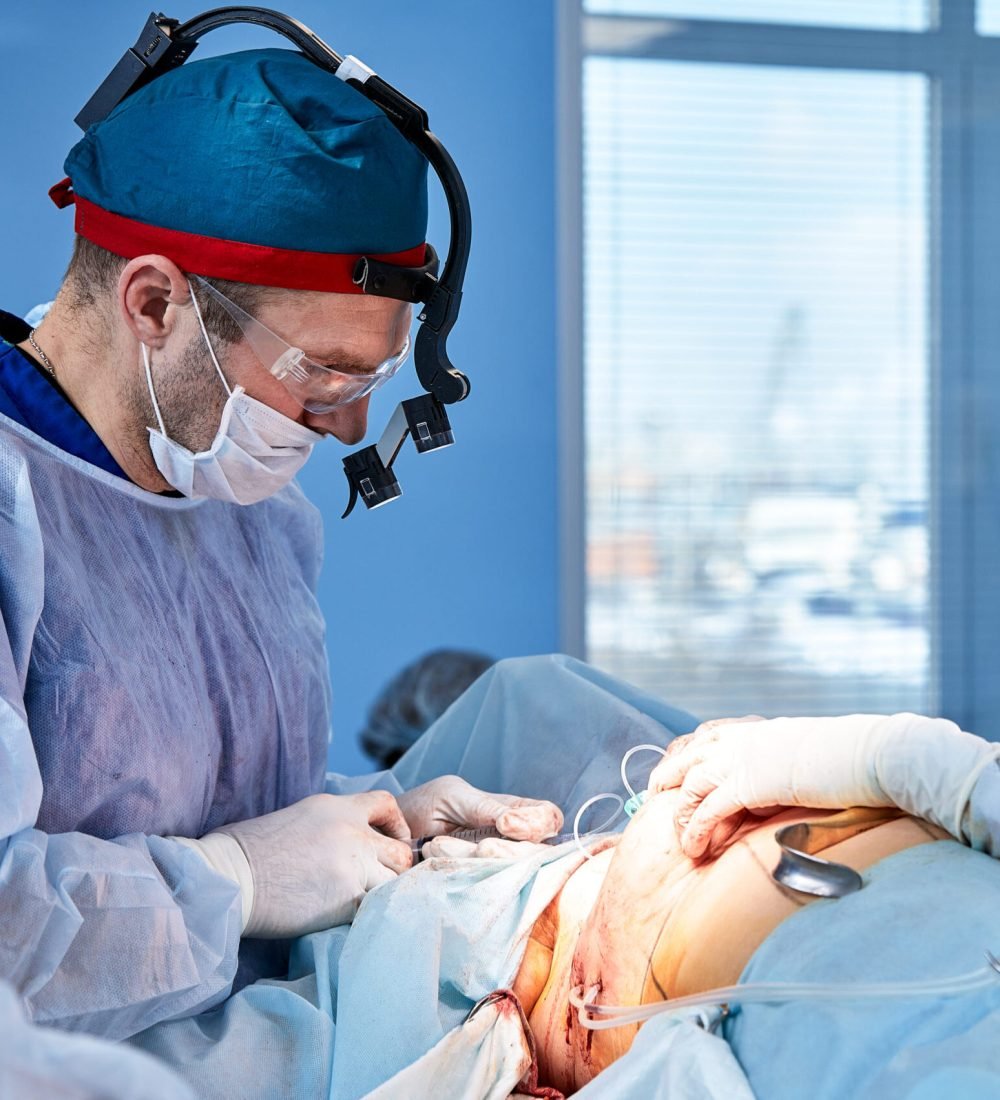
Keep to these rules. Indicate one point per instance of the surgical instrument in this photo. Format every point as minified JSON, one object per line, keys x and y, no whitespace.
{"x":800,"y":868}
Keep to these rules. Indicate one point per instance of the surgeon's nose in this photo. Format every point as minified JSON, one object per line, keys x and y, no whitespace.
{"x":347,"y":423}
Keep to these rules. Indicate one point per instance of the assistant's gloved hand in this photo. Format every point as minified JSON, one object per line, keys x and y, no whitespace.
{"x":308,"y":866}
{"x":925,"y":766}
{"x":449,"y":803}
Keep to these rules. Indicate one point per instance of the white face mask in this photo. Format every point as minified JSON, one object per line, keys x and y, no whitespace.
{"x":256,"y":451}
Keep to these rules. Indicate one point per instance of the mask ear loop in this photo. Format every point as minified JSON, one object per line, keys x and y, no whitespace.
{"x":208,"y":343}
{"x":152,"y":392}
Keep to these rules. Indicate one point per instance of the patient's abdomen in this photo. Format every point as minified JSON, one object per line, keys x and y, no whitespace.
{"x":663,"y":926}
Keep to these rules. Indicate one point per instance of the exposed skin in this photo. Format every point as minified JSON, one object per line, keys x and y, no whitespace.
{"x":642,"y":922}
{"x":99,"y":366}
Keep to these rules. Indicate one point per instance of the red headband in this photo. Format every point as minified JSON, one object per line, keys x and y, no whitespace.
{"x":217,"y":258}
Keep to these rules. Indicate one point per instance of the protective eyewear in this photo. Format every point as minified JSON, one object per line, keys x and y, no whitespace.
{"x":317,"y":388}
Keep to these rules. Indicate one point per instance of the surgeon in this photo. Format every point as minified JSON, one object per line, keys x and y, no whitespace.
{"x":164,"y":693}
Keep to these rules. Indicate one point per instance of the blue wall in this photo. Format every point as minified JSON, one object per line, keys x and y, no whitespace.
{"x":468,"y":557}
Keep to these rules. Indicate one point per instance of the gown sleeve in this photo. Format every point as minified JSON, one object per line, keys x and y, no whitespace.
{"x":981,"y":820}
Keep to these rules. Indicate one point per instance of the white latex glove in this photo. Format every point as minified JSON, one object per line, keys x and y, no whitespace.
{"x":925,"y":766}
{"x":492,"y":847}
{"x":308,"y":866}
{"x":449,"y":803}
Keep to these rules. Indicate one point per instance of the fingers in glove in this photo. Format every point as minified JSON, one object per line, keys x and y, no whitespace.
{"x":684,"y":753}
{"x":529,"y":820}
{"x":383,"y":813}
{"x":376,"y":874}
{"x":448,"y":847}
{"x":396,"y":855}
{"x":512,"y":816}
{"x":496,"y":847}
{"x":453,"y":847}
{"x":674,"y":767}
{"x":716,"y":807}
{"x":724,"y":832}
{"x":679,"y":744}
{"x":702,"y":735}
{"x":698,"y":784}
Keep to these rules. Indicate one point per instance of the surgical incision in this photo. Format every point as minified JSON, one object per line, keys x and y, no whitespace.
{"x":640,"y":923}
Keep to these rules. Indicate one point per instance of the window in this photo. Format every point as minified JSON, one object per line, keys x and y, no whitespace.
{"x":785,"y":235}
{"x":988,"y":17}
{"x":888,"y":14}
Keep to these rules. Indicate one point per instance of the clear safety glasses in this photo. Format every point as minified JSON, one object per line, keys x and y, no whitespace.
{"x":317,"y":389}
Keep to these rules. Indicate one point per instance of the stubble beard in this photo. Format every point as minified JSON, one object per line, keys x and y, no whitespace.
{"x":190,"y":394}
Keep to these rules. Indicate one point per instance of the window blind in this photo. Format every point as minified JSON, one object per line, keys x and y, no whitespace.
{"x":756,"y":383}
{"x":909,"y":15}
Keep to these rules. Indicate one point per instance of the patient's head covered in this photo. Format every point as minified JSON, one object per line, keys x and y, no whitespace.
{"x":415,"y":698}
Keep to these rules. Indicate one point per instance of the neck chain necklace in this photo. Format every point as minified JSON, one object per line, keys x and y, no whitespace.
{"x":46,"y":361}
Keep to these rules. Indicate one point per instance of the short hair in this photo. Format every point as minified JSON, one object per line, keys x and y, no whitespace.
{"x":93,"y":273}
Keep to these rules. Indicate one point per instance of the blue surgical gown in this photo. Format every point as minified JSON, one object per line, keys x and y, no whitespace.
{"x":162,"y":672}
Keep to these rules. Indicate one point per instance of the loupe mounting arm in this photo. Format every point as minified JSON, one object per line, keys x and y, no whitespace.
{"x":166,"y":43}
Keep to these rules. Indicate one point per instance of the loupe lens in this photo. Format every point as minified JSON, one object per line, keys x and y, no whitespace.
{"x":428,"y":423}
{"x":375,"y":483}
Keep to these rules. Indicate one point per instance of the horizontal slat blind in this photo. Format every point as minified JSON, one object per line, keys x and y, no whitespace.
{"x":756,"y":364}
{"x":903,"y":15}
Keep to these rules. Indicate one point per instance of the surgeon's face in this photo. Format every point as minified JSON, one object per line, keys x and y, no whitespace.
{"x":350,"y":332}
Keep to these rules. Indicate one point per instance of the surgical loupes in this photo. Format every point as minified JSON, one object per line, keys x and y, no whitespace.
{"x":369,"y":471}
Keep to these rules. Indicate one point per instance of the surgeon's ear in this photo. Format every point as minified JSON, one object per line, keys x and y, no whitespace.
{"x":150,"y":291}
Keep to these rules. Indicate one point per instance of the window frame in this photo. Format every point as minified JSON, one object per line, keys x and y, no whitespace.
{"x":963,"y":69}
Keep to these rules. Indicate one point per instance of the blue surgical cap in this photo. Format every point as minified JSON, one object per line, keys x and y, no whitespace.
{"x":250,"y":160}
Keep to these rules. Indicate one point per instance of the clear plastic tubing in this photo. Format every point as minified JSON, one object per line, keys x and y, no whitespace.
{"x":604,"y":825}
{"x":631,"y":807}
{"x":600,"y":1017}
{"x":628,"y":756}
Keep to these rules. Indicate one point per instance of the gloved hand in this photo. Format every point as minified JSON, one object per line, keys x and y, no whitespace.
{"x":308,"y":866}
{"x":491,"y":847}
{"x":925,"y":766}
{"x":449,"y":803}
